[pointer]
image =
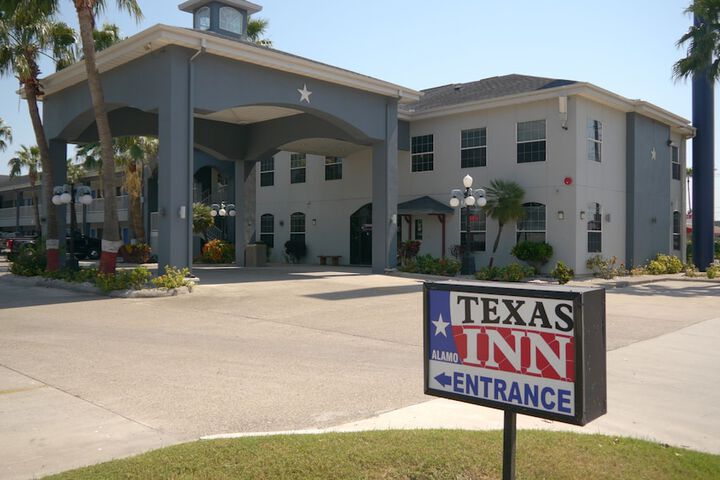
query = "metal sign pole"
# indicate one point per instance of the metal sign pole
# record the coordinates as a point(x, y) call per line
point(509, 436)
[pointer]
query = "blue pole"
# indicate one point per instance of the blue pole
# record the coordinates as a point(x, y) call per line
point(703, 101)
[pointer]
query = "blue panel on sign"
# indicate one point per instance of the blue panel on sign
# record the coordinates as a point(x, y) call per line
point(442, 344)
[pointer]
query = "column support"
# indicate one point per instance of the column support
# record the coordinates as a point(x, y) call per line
point(245, 205)
point(58, 159)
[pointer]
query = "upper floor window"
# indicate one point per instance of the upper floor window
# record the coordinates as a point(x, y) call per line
point(675, 160)
point(422, 153)
point(202, 18)
point(267, 172)
point(333, 168)
point(594, 140)
point(298, 163)
point(478, 229)
point(473, 148)
point(532, 227)
point(267, 230)
point(297, 227)
point(594, 229)
point(231, 20)
point(676, 230)
point(531, 141)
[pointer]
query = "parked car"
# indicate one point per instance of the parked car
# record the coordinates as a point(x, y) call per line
point(84, 247)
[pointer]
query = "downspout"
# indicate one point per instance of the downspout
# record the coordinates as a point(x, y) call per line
point(191, 147)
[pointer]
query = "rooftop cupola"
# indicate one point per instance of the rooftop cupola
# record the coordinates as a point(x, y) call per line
point(226, 17)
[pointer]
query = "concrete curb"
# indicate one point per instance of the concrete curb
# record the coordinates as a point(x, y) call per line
point(89, 288)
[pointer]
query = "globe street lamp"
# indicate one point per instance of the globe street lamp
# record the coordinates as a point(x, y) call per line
point(62, 195)
point(467, 198)
point(223, 210)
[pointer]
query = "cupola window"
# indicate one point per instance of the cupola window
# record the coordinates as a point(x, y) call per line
point(231, 20)
point(202, 18)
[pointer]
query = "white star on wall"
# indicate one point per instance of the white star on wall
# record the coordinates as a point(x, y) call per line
point(440, 326)
point(304, 94)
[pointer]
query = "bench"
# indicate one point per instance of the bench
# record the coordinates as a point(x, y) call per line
point(335, 259)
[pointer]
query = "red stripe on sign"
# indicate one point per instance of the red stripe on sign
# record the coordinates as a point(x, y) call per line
point(528, 352)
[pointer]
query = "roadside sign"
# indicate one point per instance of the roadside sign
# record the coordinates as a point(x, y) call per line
point(532, 349)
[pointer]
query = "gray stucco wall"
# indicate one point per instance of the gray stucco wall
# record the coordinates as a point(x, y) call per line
point(649, 210)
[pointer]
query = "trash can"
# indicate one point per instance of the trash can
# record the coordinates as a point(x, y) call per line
point(255, 255)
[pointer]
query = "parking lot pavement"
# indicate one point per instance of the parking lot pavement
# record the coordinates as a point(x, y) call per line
point(251, 350)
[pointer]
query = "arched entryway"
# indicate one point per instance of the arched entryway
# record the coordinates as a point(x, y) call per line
point(361, 236)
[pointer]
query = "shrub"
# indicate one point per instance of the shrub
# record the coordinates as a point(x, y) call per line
point(487, 273)
point(639, 270)
point(173, 278)
point(605, 267)
point(123, 279)
point(562, 273)
point(515, 272)
point(429, 265)
point(138, 253)
point(536, 254)
point(202, 219)
point(29, 261)
point(664, 264)
point(218, 251)
point(691, 270)
point(295, 250)
point(713, 271)
point(409, 250)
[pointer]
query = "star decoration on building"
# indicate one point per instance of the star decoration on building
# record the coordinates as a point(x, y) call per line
point(653, 153)
point(304, 94)
point(440, 326)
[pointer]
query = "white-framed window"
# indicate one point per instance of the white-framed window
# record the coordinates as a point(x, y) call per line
point(297, 227)
point(231, 20)
point(594, 229)
point(594, 140)
point(675, 162)
point(267, 229)
point(478, 229)
point(676, 230)
point(422, 153)
point(333, 168)
point(267, 172)
point(202, 18)
point(298, 164)
point(531, 141)
point(473, 148)
point(532, 227)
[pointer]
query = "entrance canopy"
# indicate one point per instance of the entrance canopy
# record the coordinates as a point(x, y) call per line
point(237, 101)
point(424, 206)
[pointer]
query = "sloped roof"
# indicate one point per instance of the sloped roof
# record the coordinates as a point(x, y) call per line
point(494, 87)
point(423, 206)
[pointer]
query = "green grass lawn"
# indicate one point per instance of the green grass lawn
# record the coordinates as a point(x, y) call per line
point(415, 454)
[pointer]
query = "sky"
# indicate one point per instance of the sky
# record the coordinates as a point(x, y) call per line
point(627, 47)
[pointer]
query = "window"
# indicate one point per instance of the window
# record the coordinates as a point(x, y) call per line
point(298, 162)
point(675, 159)
point(532, 227)
point(478, 228)
point(595, 229)
point(297, 227)
point(531, 141)
point(421, 153)
point(267, 230)
point(202, 18)
point(267, 172)
point(231, 20)
point(333, 168)
point(594, 140)
point(418, 229)
point(676, 230)
point(473, 148)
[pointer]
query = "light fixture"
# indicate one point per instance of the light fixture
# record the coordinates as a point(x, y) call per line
point(561, 215)
point(314, 221)
point(454, 202)
point(467, 181)
point(582, 215)
point(470, 198)
point(223, 209)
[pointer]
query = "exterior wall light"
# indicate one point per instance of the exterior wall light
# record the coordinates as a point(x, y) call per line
point(582, 215)
point(561, 215)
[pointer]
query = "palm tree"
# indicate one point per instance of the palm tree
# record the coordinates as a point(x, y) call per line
point(28, 158)
point(5, 135)
point(504, 204)
point(703, 41)
point(26, 31)
point(256, 29)
point(86, 10)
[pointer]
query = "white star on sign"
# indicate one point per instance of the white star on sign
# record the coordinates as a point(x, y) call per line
point(304, 94)
point(440, 326)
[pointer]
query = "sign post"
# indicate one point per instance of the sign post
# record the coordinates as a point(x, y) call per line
point(529, 349)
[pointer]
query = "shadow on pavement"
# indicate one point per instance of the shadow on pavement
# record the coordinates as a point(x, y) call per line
point(688, 290)
point(368, 292)
point(231, 275)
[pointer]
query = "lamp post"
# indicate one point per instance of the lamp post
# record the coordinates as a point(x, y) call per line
point(223, 210)
point(63, 195)
point(467, 198)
